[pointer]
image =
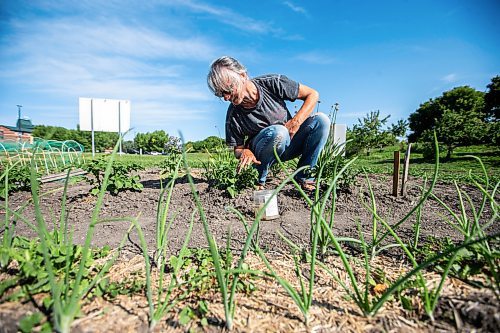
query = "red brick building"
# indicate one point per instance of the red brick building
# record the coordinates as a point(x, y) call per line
point(22, 131)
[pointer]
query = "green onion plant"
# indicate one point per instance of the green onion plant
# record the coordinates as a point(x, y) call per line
point(67, 293)
point(228, 278)
point(164, 294)
point(472, 221)
point(302, 297)
point(418, 218)
point(162, 210)
point(368, 304)
point(9, 226)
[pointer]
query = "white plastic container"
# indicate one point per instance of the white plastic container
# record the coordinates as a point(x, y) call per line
point(260, 198)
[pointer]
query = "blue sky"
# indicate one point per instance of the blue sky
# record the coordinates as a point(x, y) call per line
point(365, 55)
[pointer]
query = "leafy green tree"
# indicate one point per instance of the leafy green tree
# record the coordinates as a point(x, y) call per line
point(156, 141)
point(84, 138)
point(103, 140)
point(141, 141)
point(457, 117)
point(492, 99)
point(128, 144)
point(211, 144)
point(52, 133)
point(368, 134)
point(399, 129)
point(494, 133)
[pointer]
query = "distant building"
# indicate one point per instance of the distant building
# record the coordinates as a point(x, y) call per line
point(21, 132)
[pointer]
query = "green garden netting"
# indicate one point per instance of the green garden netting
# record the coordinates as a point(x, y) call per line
point(48, 155)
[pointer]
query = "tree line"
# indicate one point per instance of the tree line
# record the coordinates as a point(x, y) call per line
point(460, 117)
point(102, 140)
point(156, 141)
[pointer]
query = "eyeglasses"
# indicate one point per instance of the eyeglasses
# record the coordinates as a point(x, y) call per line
point(225, 91)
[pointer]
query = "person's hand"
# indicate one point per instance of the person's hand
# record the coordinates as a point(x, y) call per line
point(292, 126)
point(247, 158)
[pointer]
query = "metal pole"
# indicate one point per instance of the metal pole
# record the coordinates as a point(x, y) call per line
point(19, 128)
point(120, 125)
point(92, 125)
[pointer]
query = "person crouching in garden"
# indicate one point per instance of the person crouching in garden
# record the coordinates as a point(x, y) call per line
point(257, 119)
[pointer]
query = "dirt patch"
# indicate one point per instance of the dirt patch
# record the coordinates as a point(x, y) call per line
point(260, 312)
point(294, 220)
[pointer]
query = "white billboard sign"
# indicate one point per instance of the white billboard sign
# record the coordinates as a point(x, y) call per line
point(104, 115)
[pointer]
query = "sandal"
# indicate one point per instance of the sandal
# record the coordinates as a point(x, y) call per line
point(308, 185)
point(260, 187)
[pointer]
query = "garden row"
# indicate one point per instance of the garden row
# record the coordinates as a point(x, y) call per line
point(69, 274)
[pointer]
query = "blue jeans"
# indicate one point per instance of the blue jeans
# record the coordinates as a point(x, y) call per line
point(306, 143)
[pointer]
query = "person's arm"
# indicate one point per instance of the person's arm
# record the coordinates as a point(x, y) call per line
point(310, 98)
point(245, 156)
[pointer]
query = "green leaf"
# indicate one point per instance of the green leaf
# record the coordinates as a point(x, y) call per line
point(406, 303)
point(27, 323)
point(46, 327)
point(186, 315)
point(47, 302)
point(231, 191)
point(203, 308)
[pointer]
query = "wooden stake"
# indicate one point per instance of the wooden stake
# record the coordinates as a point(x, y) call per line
point(395, 175)
point(406, 168)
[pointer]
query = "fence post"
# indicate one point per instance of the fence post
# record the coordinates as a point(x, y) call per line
point(406, 167)
point(395, 175)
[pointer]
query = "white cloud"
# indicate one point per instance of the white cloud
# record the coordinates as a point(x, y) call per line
point(70, 37)
point(315, 57)
point(87, 50)
point(450, 78)
point(68, 52)
point(232, 18)
point(296, 8)
point(227, 16)
point(63, 60)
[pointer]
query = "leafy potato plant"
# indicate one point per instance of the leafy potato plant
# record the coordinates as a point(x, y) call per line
point(32, 273)
point(16, 179)
point(220, 172)
point(120, 178)
point(169, 165)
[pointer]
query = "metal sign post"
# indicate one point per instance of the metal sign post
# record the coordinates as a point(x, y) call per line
point(119, 126)
point(105, 115)
point(92, 125)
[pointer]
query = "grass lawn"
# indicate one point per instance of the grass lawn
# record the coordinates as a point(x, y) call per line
point(149, 161)
point(381, 162)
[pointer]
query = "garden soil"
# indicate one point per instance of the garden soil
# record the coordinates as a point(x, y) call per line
point(268, 309)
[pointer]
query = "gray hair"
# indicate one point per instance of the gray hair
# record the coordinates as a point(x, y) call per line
point(224, 74)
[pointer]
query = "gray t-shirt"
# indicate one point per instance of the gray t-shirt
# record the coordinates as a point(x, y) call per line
point(274, 90)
